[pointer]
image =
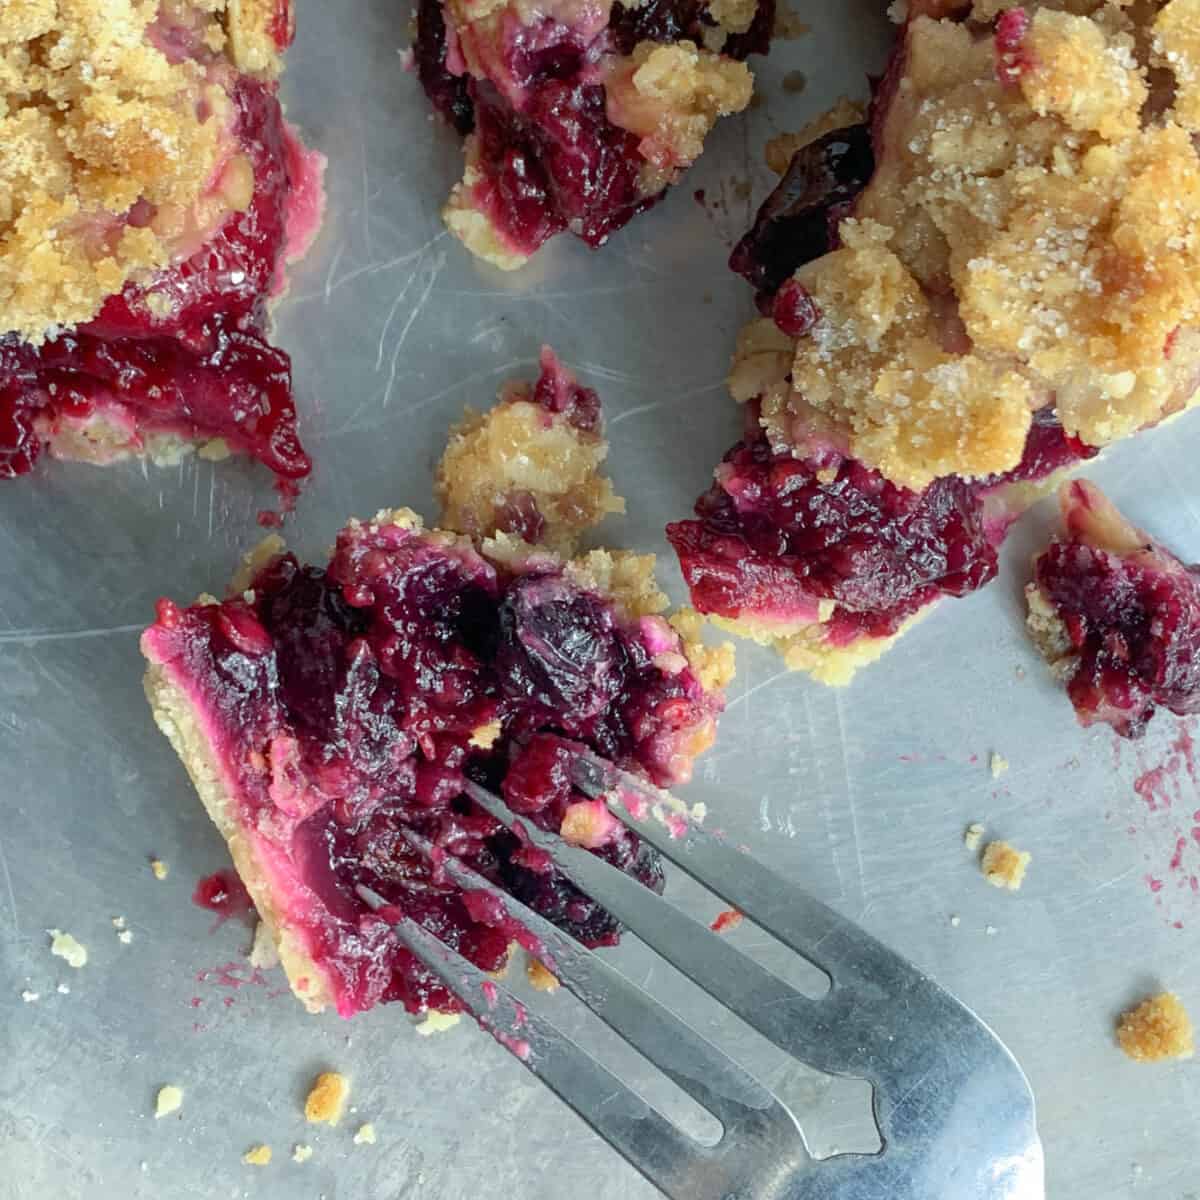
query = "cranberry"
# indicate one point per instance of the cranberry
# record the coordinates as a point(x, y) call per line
point(798, 221)
point(794, 310)
point(1012, 56)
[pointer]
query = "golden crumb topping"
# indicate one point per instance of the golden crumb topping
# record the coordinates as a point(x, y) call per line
point(524, 470)
point(114, 156)
point(1157, 1028)
point(1003, 866)
point(1031, 235)
point(327, 1098)
point(671, 96)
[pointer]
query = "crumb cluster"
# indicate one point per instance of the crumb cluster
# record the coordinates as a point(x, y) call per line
point(114, 155)
point(522, 468)
point(1003, 866)
point(1030, 236)
point(326, 1099)
point(1156, 1029)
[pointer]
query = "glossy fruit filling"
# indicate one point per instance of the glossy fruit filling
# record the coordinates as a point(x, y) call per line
point(347, 705)
point(798, 221)
point(186, 352)
point(1130, 612)
point(549, 156)
point(790, 540)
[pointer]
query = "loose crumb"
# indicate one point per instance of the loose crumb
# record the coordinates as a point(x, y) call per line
point(63, 989)
point(540, 977)
point(301, 1153)
point(437, 1022)
point(1156, 1029)
point(365, 1135)
point(168, 1100)
point(125, 936)
point(29, 996)
point(998, 764)
point(956, 921)
point(327, 1099)
point(257, 1156)
point(991, 930)
point(67, 948)
point(118, 922)
point(973, 837)
point(1003, 866)
point(159, 868)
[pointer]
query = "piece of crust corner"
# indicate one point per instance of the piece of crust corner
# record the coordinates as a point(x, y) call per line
point(176, 717)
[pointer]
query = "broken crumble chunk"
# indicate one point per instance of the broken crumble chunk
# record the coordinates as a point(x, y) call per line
point(530, 466)
point(1003, 866)
point(1157, 1029)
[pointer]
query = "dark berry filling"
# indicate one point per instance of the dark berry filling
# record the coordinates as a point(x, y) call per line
point(776, 536)
point(558, 163)
point(667, 21)
point(194, 361)
point(549, 155)
point(798, 221)
point(1133, 620)
point(349, 704)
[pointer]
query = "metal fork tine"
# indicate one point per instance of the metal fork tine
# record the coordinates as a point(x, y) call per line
point(840, 948)
point(690, 1060)
point(801, 1026)
point(667, 1157)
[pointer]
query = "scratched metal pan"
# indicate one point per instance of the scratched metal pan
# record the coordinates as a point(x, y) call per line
point(861, 794)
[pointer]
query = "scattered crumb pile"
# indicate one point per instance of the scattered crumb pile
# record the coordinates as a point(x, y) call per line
point(1157, 1028)
point(1003, 866)
point(67, 948)
point(167, 1101)
point(327, 1099)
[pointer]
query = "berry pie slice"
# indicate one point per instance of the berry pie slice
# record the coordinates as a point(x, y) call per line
point(151, 194)
point(323, 711)
point(1116, 615)
point(967, 291)
point(578, 114)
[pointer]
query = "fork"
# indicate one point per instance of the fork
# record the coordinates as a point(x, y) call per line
point(954, 1111)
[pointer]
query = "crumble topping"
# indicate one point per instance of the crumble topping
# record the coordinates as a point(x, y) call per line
point(1156, 1029)
point(327, 1099)
point(1030, 236)
point(527, 469)
point(672, 95)
point(168, 1100)
point(64, 946)
point(112, 152)
point(1003, 866)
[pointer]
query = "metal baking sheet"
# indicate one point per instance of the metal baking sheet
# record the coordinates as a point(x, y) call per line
point(862, 795)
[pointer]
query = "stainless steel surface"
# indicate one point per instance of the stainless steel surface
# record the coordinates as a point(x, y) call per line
point(860, 796)
point(953, 1109)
